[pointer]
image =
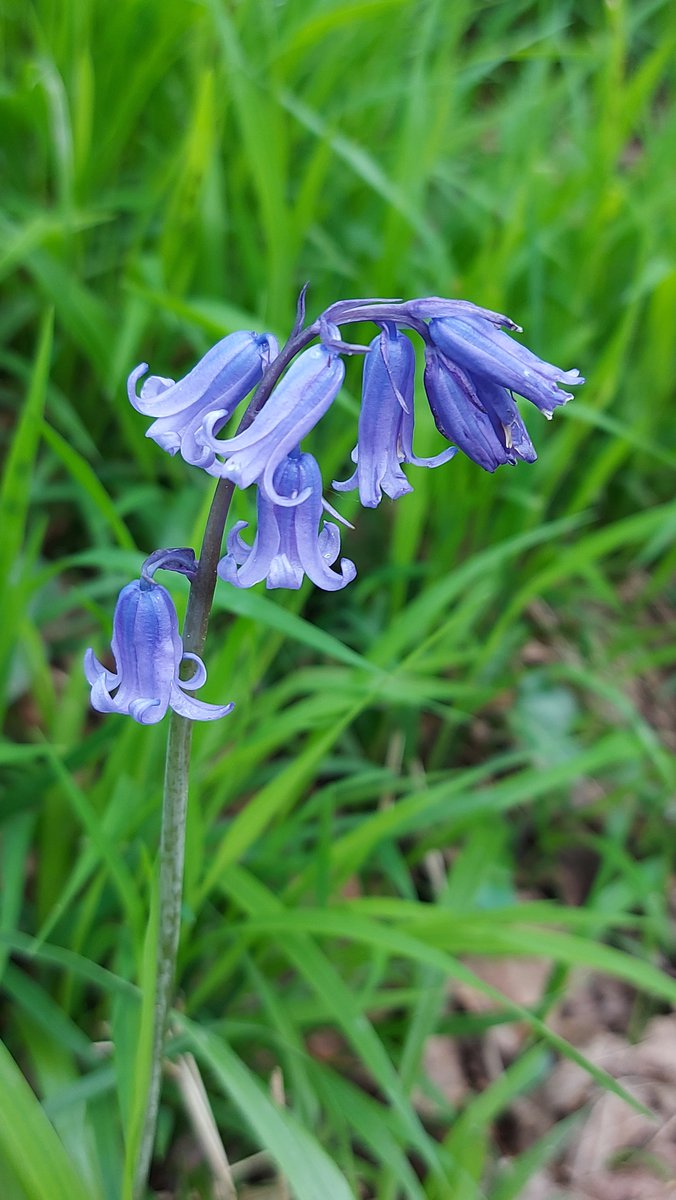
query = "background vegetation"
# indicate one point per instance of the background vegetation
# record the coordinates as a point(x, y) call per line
point(411, 763)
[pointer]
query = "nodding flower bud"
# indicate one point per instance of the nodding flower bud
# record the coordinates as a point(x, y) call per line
point(463, 412)
point(486, 353)
point(148, 653)
point(288, 544)
point(385, 432)
point(211, 391)
point(471, 370)
point(299, 400)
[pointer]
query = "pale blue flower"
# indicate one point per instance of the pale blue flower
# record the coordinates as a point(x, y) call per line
point(211, 391)
point(299, 400)
point(288, 543)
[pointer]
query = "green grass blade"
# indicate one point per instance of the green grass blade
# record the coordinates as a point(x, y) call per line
point(311, 1173)
point(28, 1142)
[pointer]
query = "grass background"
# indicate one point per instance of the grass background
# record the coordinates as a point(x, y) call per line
point(495, 683)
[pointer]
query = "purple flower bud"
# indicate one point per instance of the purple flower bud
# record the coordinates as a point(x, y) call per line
point(484, 352)
point(213, 389)
point(287, 544)
point(412, 313)
point(179, 558)
point(472, 369)
point(459, 413)
point(301, 398)
point(148, 652)
point(385, 433)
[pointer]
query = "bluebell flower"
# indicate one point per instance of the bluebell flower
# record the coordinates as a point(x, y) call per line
point(288, 543)
point(148, 653)
point(470, 413)
point(472, 369)
point(299, 400)
point(212, 390)
point(385, 431)
point(485, 352)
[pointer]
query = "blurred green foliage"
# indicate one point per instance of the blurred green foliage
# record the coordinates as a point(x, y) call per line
point(494, 685)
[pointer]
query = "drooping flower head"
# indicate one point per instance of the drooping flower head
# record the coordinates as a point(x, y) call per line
point(464, 411)
point(148, 653)
point(482, 350)
point(472, 368)
point(299, 400)
point(288, 543)
point(212, 390)
point(385, 431)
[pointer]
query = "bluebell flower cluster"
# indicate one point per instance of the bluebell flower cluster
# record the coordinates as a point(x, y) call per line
point(473, 371)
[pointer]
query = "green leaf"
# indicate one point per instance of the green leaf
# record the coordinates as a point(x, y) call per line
point(94, 496)
point(15, 489)
point(272, 615)
point(29, 1144)
point(310, 1172)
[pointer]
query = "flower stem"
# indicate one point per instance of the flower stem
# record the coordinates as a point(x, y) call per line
point(172, 853)
point(177, 766)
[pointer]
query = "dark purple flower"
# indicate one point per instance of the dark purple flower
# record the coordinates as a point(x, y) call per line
point(472, 369)
point(470, 413)
point(212, 390)
point(148, 652)
point(303, 395)
point(385, 433)
point(484, 352)
point(288, 543)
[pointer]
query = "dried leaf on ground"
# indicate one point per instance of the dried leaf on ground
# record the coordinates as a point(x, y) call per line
point(620, 1154)
point(442, 1067)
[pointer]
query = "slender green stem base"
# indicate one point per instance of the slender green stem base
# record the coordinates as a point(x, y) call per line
point(172, 854)
point(175, 801)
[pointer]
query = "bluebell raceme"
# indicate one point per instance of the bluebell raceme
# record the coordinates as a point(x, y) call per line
point(473, 371)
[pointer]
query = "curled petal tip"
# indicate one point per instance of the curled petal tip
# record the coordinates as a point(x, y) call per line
point(132, 381)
